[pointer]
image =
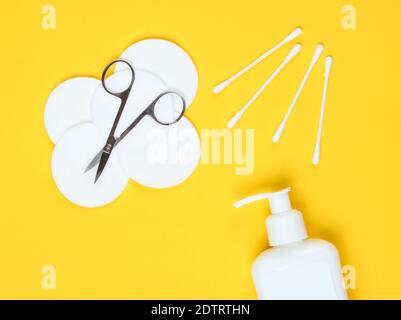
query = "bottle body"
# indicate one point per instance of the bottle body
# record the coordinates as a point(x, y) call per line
point(303, 270)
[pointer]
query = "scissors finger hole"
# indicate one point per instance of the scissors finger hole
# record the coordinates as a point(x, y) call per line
point(169, 108)
point(125, 79)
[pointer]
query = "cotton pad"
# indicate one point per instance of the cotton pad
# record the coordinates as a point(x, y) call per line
point(167, 60)
point(104, 106)
point(160, 156)
point(74, 150)
point(69, 104)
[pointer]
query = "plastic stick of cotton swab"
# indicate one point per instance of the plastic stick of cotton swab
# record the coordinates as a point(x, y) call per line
point(294, 51)
point(327, 71)
point(315, 58)
point(221, 86)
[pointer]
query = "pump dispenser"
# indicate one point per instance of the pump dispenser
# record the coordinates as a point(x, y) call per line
point(296, 268)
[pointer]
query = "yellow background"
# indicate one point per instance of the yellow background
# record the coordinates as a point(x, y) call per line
point(189, 242)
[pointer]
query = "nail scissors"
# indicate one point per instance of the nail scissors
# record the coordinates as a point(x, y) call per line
point(154, 110)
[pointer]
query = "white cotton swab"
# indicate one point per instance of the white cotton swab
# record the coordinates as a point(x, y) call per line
point(318, 51)
point(327, 71)
point(294, 51)
point(221, 86)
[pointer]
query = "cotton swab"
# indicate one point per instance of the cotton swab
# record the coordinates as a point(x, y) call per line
point(327, 71)
point(318, 51)
point(221, 86)
point(294, 51)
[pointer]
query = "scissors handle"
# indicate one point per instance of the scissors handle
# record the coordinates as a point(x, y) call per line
point(150, 111)
point(123, 95)
point(166, 122)
point(125, 92)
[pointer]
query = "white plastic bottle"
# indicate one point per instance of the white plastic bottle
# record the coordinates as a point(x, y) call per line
point(295, 268)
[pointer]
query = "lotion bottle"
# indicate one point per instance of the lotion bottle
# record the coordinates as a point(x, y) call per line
point(295, 268)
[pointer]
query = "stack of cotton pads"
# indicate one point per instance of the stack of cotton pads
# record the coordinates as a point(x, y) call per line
point(79, 114)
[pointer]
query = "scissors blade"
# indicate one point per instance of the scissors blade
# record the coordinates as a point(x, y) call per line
point(108, 148)
point(94, 161)
point(102, 164)
point(96, 158)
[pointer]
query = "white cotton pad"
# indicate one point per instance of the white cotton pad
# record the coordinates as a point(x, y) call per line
point(167, 60)
point(159, 156)
point(69, 104)
point(74, 150)
point(104, 106)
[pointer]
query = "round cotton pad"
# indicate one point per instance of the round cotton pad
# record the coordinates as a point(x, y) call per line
point(72, 153)
point(104, 106)
point(69, 104)
point(160, 156)
point(167, 60)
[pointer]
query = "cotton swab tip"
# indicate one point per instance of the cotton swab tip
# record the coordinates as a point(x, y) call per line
point(278, 133)
point(316, 156)
point(294, 51)
point(320, 48)
point(234, 120)
point(328, 65)
point(220, 87)
point(318, 52)
point(329, 61)
point(294, 34)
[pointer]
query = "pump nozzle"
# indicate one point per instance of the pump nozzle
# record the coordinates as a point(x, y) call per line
point(279, 201)
point(285, 225)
